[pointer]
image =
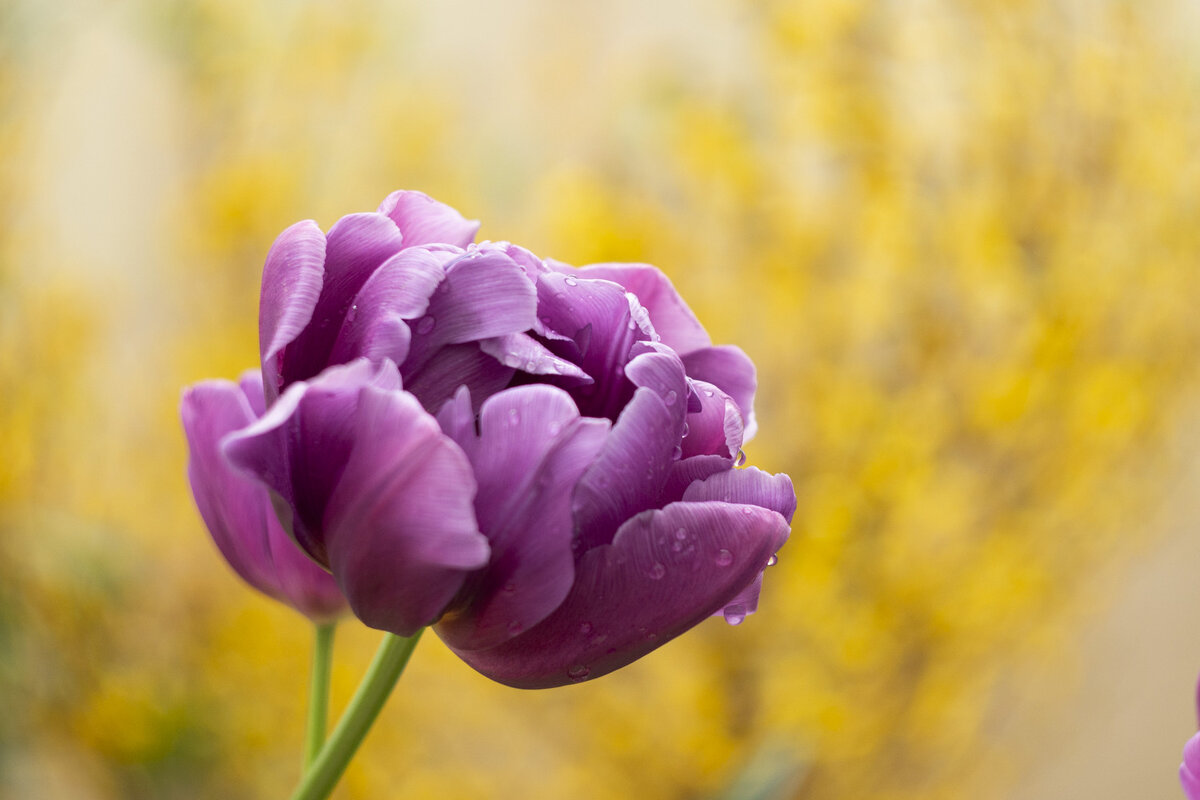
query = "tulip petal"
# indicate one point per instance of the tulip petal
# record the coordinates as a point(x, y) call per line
point(484, 294)
point(729, 368)
point(291, 284)
point(750, 486)
point(716, 429)
point(672, 318)
point(532, 448)
point(400, 527)
point(687, 470)
point(356, 246)
point(237, 509)
point(1189, 770)
point(423, 220)
point(630, 472)
point(522, 352)
point(400, 289)
point(602, 323)
point(300, 446)
point(665, 572)
point(458, 365)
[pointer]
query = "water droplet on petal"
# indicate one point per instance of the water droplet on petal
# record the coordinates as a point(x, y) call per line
point(650, 637)
point(554, 428)
point(677, 453)
point(724, 558)
point(677, 546)
point(631, 325)
point(570, 280)
point(545, 320)
point(735, 614)
point(773, 560)
point(352, 313)
point(708, 392)
point(578, 672)
point(530, 365)
point(685, 430)
point(671, 397)
point(514, 418)
point(657, 572)
point(681, 534)
point(741, 458)
point(426, 325)
point(585, 628)
point(747, 510)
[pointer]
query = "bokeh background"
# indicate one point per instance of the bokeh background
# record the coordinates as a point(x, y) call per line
point(961, 240)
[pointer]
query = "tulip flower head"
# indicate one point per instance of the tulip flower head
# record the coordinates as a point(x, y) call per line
point(542, 462)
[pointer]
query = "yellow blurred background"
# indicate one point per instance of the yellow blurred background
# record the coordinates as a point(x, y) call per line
point(960, 239)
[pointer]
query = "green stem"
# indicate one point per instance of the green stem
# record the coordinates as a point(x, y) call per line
point(318, 692)
point(364, 707)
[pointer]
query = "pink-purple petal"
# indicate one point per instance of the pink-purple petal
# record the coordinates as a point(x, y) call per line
point(400, 527)
point(665, 572)
point(484, 294)
point(672, 318)
point(374, 326)
point(532, 448)
point(237, 510)
point(423, 220)
point(291, 283)
point(356, 246)
point(716, 429)
point(524, 353)
point(456, 366)
point(1189, 770)
point(730, 369)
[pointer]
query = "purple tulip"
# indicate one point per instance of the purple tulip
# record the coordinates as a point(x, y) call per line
point(237, 509)
point(1189, 769)
point(575, 502)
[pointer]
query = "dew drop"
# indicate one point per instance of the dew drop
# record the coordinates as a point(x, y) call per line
point(724, 558)
point(681, 534)
point(554, 428)
point(708, 392)
point(650, 637)
point(747, 510)
point(514, 418)
point(773, 560)
point(585, 628)
point(741, 458)
point(570, 280)
point(578, 672)
point(352, 313)
point(426, 325)
point(631, 324)
point(671, 397)
point(677, 453)
point(685, 429)
point(657, 572)
point(735, 614)
point(677, 546)
point(545, 320)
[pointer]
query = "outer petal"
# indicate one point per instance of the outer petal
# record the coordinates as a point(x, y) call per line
point(299, 448)
point(237, 509)
point(355, 247)
point(729, 368)
point(665, 572)
point(672, 318)
point(424, 220)
point(1189, 770)
point(532, 448)
point(400, 526)
point(749, 486)
point(291, 284)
